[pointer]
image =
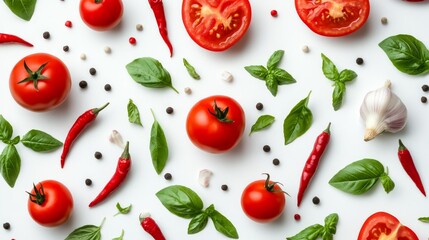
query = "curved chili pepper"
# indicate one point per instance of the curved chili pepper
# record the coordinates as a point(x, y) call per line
point(79, 125)
point(150, 226)
point(408, 164)
point(122, 169)
point(313, 161)
point(9, 38)
point(158, 10)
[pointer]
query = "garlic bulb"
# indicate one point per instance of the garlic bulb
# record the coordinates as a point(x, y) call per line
point(382, 110)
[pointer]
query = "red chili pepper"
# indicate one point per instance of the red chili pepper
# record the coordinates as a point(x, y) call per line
point(79, 125)
point(150, 226)
point(158, 10)
point(408, 164)
point(8, 38)
point(313, 161)
point(122, 169)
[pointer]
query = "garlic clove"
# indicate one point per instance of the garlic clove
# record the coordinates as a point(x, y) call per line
point(116, 138)
point(204, 177)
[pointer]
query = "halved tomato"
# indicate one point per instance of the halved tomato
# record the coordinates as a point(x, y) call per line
point(216, 25)
point(383, 226)
point(333, 18)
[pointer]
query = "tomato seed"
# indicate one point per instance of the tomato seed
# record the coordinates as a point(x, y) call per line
point(316, 200)
point(66, 48)
point(68, 24)
point(274, 13)
point(259, 106)
point(83, 84)
point(132, 40)
point(46, 35)
point(266, 148)
point(107, 87)
point(276, 161)
point(425, 88)
point(168, 176)
point(359, 61)
point(169, 110)
point(98, 155)
point(297, 217)
point(88, 182)
point(92, 71)
point(6, 226)
point(423, 99)
point(224, 187)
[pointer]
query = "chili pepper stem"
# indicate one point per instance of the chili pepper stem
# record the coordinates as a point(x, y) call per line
point(328, 129)
point(126, 152)
point(401, 146)
point(97, 110)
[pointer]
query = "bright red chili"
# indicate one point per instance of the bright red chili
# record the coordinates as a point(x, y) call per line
point(158, 10)
point(79, 125)
point(150, 226)
point(408, 164)
point(313, 161)
point(122, 169)
point(8, 38)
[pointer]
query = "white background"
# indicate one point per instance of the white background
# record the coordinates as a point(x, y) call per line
point(242, 165)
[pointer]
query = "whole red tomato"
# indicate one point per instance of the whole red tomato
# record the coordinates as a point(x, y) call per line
point(50, 203)
point(101, 15)
point(382, 225)
point(333, 18)
point(216, 25)
point(215, 124)
point(40, 82)
point(263, 200)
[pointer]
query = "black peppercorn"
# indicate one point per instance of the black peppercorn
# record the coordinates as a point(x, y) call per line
point(316, 200)
point(424, 99)
point(6, 225)
point(359, 61)
point(168, 176)
point(88, 182)
point(169, 110)
point(425, 88)
point(98, 155)
point(224, 187)
point(92, 71)
point(266, 148)
point(259, 106)
point(107, 87)
point(46, 35)
point(66, 48)
point(276, 161)
point(83, 84)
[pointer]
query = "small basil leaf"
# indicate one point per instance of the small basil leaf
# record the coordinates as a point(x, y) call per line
point(133, 113)
point(23, 9)
point(338, 95)
point(198, 223)
point(14, 141)
point(257, 71)
point(181, 201)
point(191, 70)
point(10, 164)
point(272, 84)
point(40, 141)
point(329, 69)
point(358, 177)
point(347, 75)
point(123, 210)
point(158, 146)
point(309, 233)
point(261, 123)
point(282, 77)
point(331, 222)
point(86, 232)
point(6, 129)
point(223, 225)
point(424, 219)
point(275, 59)
point(387, 182)
point(150, 73)
point(121, 237)
point(298, 121)
point(408, 54)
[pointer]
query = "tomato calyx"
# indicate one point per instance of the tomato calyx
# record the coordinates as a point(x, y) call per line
point(34, 76)
point(269, 186)
point(39, 195)
point(220, 114)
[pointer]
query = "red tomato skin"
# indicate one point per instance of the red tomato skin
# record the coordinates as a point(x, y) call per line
point(387, 225)
point(261, 205)
point(200, 31)
point(57, 207)
point(51, 92)
point(101, 16)
point(208, 133)
point(337, 28)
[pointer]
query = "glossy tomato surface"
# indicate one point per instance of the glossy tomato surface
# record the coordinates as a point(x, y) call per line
point(56, 207)
point(382, 225)
point(207, 131)
point(51, 88)
point(263, 205)
point(101, 15)
point(333, 18)
point(216, 25)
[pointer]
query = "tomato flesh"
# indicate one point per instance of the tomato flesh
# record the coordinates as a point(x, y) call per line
point(333, 17)
point(216, 25)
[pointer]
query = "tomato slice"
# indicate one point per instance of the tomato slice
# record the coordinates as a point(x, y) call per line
point(384, 226)
point(216, 25)
point(333, 18)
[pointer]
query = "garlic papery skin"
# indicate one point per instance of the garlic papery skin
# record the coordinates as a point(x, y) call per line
point(382, 111)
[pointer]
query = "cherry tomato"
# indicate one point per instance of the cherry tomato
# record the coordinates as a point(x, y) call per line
point(382, 225)
point(50, 203)
point(101, 15)
point(216, 25)
point(333, 18)
point(216, 123)
point(47, 87)
point(263, 200)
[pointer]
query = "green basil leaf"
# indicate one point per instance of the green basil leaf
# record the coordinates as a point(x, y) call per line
point(408, 54)
point(6, 129)
point(86, 232)
point(298, 121)
point(257, 71)
point(282, 77)
point(198, 223)
point(329, 69)
point(347, 75)
point(158, 146)
point(40, 141)
point(123, 210)
point(121, 237)
point(272, 84)
point(10, 164)
point(338, 95)
point(150, 73)
point(309, 233)
point(223, 225)
point(23, 8)
point(181, 201)
point(191, 70)
point(262, 122)
point(133, 113)
point(358, 177)
point(331, 222)
point(275, 59)
point(424, 219)
point(387, 182)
